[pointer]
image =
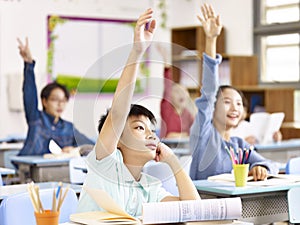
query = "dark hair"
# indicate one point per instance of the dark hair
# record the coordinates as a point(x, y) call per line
point(135, 110)
point(223, 87)
point(46, 91)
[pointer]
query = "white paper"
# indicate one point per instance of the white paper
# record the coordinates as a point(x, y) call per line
point(265, 124)
point(193, 210)
point(54, 148)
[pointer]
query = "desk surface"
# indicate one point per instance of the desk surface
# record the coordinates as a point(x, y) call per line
point(19, 188)
point(11, 146)
point(229, 189)
point(285, 144)
point(38, 160)
point(6, 171)
point(183, 140)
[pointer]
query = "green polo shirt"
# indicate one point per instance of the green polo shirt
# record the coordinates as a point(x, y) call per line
point(111, 175)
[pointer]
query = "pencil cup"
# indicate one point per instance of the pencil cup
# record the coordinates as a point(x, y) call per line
point(240, 174)
point(47, 218)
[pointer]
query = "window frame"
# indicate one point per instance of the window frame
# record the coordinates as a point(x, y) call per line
point(262, 30)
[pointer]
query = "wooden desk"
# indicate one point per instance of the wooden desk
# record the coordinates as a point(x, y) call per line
point(7, 149)
point(281, 151)
point(261, 205)
point(43, 170)
point(19, 188)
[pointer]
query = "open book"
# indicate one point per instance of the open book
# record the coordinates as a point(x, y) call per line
point(192, 210)
point(221, 210)
point(114, 213)
point(263, 125)
point(272, 179)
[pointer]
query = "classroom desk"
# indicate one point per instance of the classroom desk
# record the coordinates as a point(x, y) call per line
point(6, 171)
point(43, 170)
point(7, 149)
point(19, 188)
point(281, 151)
point(176, 142)
point(261, 205)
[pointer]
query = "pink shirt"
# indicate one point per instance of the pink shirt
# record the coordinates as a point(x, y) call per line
point(171, 120)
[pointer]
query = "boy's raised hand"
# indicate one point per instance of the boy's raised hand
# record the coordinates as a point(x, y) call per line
point(144, 30)
point(25, 51)
point(210, 22)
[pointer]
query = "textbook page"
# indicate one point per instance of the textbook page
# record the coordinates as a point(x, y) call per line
point(192, 210)
point(114, 213)
point(265, 124)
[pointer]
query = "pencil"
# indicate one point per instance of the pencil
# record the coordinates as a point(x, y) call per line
point(63, 198)
point(54, 201)
point(37, 191)
point(34, 204)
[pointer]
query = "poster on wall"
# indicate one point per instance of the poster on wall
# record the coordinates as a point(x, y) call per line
point(87, 55)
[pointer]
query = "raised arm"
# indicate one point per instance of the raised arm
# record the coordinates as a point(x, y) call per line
point(114, 124)
point(30, 96)
point(25, 51)
point(186, 188)
point(212, 27)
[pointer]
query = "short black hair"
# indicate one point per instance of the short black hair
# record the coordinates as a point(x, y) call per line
point(135, 110)
point(46, 91)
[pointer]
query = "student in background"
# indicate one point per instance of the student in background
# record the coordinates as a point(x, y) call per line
point(219, 110)
point(127, 141)
point(245, 131)
point(46, 124)
point(177, 118)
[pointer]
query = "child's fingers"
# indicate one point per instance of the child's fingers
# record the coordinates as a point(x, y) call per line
point(145, 17)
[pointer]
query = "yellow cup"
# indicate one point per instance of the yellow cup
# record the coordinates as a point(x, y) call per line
point(47, 218)
point(240, 174)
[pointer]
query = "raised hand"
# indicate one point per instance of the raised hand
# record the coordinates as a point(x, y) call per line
point(211, 23)
point(25, 51)
point(144, 30)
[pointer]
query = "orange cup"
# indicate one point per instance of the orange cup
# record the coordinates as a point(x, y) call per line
point(47, 218)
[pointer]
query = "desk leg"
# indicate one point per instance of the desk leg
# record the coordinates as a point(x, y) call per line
point(24, 173)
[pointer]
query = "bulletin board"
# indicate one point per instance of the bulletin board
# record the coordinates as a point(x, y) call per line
point(87, 55)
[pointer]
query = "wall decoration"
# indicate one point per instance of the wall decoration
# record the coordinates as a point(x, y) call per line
point(88, 54)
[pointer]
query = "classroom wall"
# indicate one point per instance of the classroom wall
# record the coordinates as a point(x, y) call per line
point(21, 18)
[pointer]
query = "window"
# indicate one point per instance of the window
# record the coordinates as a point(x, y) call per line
point(277, 41)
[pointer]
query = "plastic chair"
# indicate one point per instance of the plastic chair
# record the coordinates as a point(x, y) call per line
point(17, 209)
point(293, 166)
point(294, 205)
point(163, 172)
point(77, 176)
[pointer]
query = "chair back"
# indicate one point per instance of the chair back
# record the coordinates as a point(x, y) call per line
point(293, 166)
point(17, 209)
point(163, 172)
point(77, 176)
point(294, 205)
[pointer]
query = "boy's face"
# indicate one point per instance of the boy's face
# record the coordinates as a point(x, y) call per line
point(56, 103)
point(139, 138)
point(229, 109)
